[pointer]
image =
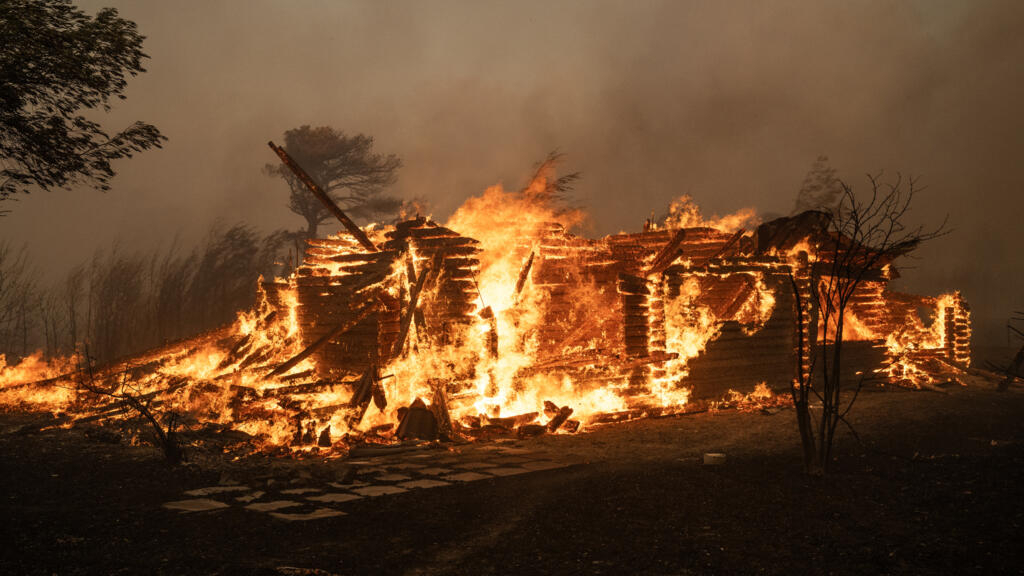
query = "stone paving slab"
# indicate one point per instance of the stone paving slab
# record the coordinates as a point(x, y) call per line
point(300, 491)
point(516, 451)
point(406, 466)
point(435, 471)
point(473, 465)
point(539, 465)
point(348, 486)
point(510, 471)
point(379, 490)
point(510, 460)
point(211, 490)
point(334, 497)
point(377, 476)
point(425, 483)
point(314, 515)
point(373, 470)
point(467, 477)
point(195, 505)
point(271, 506)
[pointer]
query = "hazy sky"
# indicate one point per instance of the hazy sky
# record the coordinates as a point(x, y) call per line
point(728, 101)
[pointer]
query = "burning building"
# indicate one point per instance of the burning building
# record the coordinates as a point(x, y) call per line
point(502, 320)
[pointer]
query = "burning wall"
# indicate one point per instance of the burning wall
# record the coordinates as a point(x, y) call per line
point(503, 319)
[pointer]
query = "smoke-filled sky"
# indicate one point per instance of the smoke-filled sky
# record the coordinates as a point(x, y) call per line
point(730, 102)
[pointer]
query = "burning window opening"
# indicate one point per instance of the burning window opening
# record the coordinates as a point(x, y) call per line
point(502, 321)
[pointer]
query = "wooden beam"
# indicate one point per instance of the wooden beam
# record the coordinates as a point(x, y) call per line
point(524, 274)
point(414, 296)
point(559, 419)
point(735, 238)
point(324, 198)
point(668, 254)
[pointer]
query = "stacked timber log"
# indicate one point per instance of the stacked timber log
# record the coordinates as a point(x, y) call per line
point(957, 331)
point(748, 349)
point(560, 272)
point(643, 312)
point(869, 307)
point(275, 291)
point(337, 278)
point(641, 261)
point(805, 311)
point(656, 335)
point(635, 319)
point(696, 250)
point(451, 297)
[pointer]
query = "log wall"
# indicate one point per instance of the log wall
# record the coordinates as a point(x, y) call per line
point(743, 356)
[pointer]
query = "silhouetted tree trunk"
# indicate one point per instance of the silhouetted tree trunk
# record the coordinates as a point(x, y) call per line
point(864, 236)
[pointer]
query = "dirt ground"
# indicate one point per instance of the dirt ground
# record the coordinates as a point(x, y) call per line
point(935, 488)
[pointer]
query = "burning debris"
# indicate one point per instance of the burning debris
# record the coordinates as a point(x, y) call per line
point(504, 322)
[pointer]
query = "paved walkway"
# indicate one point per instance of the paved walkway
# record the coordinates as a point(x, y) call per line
point(376, 477)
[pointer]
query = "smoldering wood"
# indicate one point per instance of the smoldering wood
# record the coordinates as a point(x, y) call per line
point(563, 414)
point(511, 422)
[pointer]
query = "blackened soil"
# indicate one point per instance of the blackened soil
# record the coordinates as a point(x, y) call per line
point(935, 488)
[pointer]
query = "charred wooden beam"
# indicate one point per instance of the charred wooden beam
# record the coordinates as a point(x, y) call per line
point(530, 430)
point(524, 274)
point(414, 296)
point(728, 245)
point(513, 421)
point(239, 350)
point(563, 414)
point(308, 388)
point(418, 317)
point(297, 375)
point(322, 196)
point(668, 254)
